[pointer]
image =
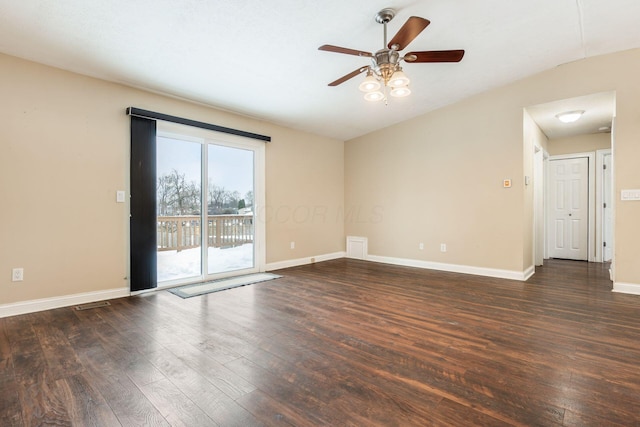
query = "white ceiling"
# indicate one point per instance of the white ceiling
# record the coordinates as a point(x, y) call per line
point(260, 57)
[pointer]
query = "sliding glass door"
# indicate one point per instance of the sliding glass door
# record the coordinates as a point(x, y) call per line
point(196, 243)
point(230, 209)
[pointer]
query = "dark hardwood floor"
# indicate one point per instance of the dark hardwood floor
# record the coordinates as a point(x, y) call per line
point(339, 343)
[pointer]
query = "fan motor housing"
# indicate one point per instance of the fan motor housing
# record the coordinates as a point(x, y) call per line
point(385, 62)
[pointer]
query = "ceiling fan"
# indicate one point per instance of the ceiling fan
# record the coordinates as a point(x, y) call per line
point(385, 70)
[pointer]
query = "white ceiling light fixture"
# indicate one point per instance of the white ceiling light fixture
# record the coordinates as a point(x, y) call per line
point(385, 74)
point(570, 116)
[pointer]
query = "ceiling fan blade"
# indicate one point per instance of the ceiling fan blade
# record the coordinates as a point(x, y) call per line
point(338, 49)
point(408, 32)
point(349, 76)
point(435, 56)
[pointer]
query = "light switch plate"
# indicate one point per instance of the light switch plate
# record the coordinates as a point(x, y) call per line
point(120, 196)
point(630, 194)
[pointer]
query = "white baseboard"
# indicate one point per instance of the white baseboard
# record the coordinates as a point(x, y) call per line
point(626, 288)
point(455, 268)
point(303, 261)
point(528, 273)
point(24, 307)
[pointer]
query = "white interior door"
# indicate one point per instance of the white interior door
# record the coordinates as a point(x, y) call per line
point(568, 212)
point(607, 221)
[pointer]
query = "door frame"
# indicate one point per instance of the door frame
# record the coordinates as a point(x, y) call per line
point(591, 179)
point(600, 154)
point(540, 158)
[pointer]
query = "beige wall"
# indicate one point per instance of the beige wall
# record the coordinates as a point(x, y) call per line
point(437, 178)
point(305, 196)
point(64, 151)
point(579, 144)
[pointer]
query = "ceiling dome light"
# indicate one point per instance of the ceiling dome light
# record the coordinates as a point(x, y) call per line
point(570, 116)
point(370, 83)
point(400, 92)
point(374, 96)
point(398, 79)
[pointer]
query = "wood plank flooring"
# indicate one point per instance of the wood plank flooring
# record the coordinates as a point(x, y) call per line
point(338, 343)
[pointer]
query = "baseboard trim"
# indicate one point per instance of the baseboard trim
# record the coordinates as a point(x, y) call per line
point(455, 268)
point(528, 273)
point(32, 306)
point(626, 288)
point(303, 261)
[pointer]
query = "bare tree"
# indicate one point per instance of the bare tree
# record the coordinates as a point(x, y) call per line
point(176, 196)
point(232, 199)
point(162, 195)
point(193, 198)
point(217, 195)
point(248, 198)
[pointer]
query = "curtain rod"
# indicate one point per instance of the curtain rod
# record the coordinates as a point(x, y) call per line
point(145, 114)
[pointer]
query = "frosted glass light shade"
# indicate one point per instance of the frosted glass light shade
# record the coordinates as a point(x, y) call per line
point(398, 79)
point(400, 92)
point(369, 84)
point(374, 96)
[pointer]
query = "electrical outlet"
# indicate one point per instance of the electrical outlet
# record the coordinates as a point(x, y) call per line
point(17, 275)
point(421, 246)
point(293, 245)
point(443, 247)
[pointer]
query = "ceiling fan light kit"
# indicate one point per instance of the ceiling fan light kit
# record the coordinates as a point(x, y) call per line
point(385, 71)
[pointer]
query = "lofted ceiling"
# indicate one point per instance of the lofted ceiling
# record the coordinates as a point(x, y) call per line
point(260, 58)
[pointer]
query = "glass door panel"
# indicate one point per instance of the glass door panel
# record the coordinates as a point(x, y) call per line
point(178, 208)
point(230, 219)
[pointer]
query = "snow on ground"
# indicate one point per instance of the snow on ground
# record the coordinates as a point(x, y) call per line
point(174, 265)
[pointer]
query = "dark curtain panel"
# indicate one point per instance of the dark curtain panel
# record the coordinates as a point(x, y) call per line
point(144, 274)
